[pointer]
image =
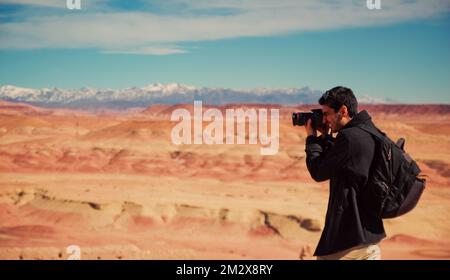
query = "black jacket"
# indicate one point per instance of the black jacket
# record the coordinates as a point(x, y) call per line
point(345, 161)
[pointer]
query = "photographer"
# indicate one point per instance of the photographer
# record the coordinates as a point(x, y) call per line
point(345, 161)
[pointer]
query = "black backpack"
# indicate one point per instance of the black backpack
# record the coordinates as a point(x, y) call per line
point(394, 186)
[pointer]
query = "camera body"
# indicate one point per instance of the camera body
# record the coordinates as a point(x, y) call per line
point(301, 118)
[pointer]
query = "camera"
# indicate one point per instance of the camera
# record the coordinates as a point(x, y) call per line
point(301, 118)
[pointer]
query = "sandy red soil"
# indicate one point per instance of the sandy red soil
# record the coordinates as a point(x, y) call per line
point(113, 184)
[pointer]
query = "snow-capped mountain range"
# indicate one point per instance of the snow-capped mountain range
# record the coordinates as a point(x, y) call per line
point(91, 98)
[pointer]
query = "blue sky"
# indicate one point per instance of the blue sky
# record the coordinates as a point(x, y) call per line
point(399, 52)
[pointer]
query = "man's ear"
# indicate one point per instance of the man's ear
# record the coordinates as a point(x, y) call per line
point(344, 111)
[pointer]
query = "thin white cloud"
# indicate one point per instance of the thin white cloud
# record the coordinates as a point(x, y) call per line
point(145, 32)
point(45, 3)
point(148, 51)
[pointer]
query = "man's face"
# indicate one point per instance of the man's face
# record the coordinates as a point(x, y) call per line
point(331, 118)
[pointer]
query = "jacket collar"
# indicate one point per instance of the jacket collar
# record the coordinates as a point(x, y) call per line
point(362, 118)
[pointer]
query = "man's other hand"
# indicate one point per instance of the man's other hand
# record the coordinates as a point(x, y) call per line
point(309, 129)
point(324, 130)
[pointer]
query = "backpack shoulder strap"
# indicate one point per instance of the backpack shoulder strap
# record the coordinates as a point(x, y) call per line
point(378, 134)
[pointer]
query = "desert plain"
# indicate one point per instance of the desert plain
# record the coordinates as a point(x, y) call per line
point(113, 184)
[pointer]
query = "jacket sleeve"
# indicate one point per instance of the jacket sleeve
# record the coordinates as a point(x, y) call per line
point(324, 160)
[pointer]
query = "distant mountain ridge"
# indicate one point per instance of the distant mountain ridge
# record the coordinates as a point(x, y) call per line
point(158, 93)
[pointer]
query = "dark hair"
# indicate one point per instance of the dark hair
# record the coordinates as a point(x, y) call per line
point(338, 96)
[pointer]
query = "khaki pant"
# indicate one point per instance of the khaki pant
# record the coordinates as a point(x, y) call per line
point(361, 252)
